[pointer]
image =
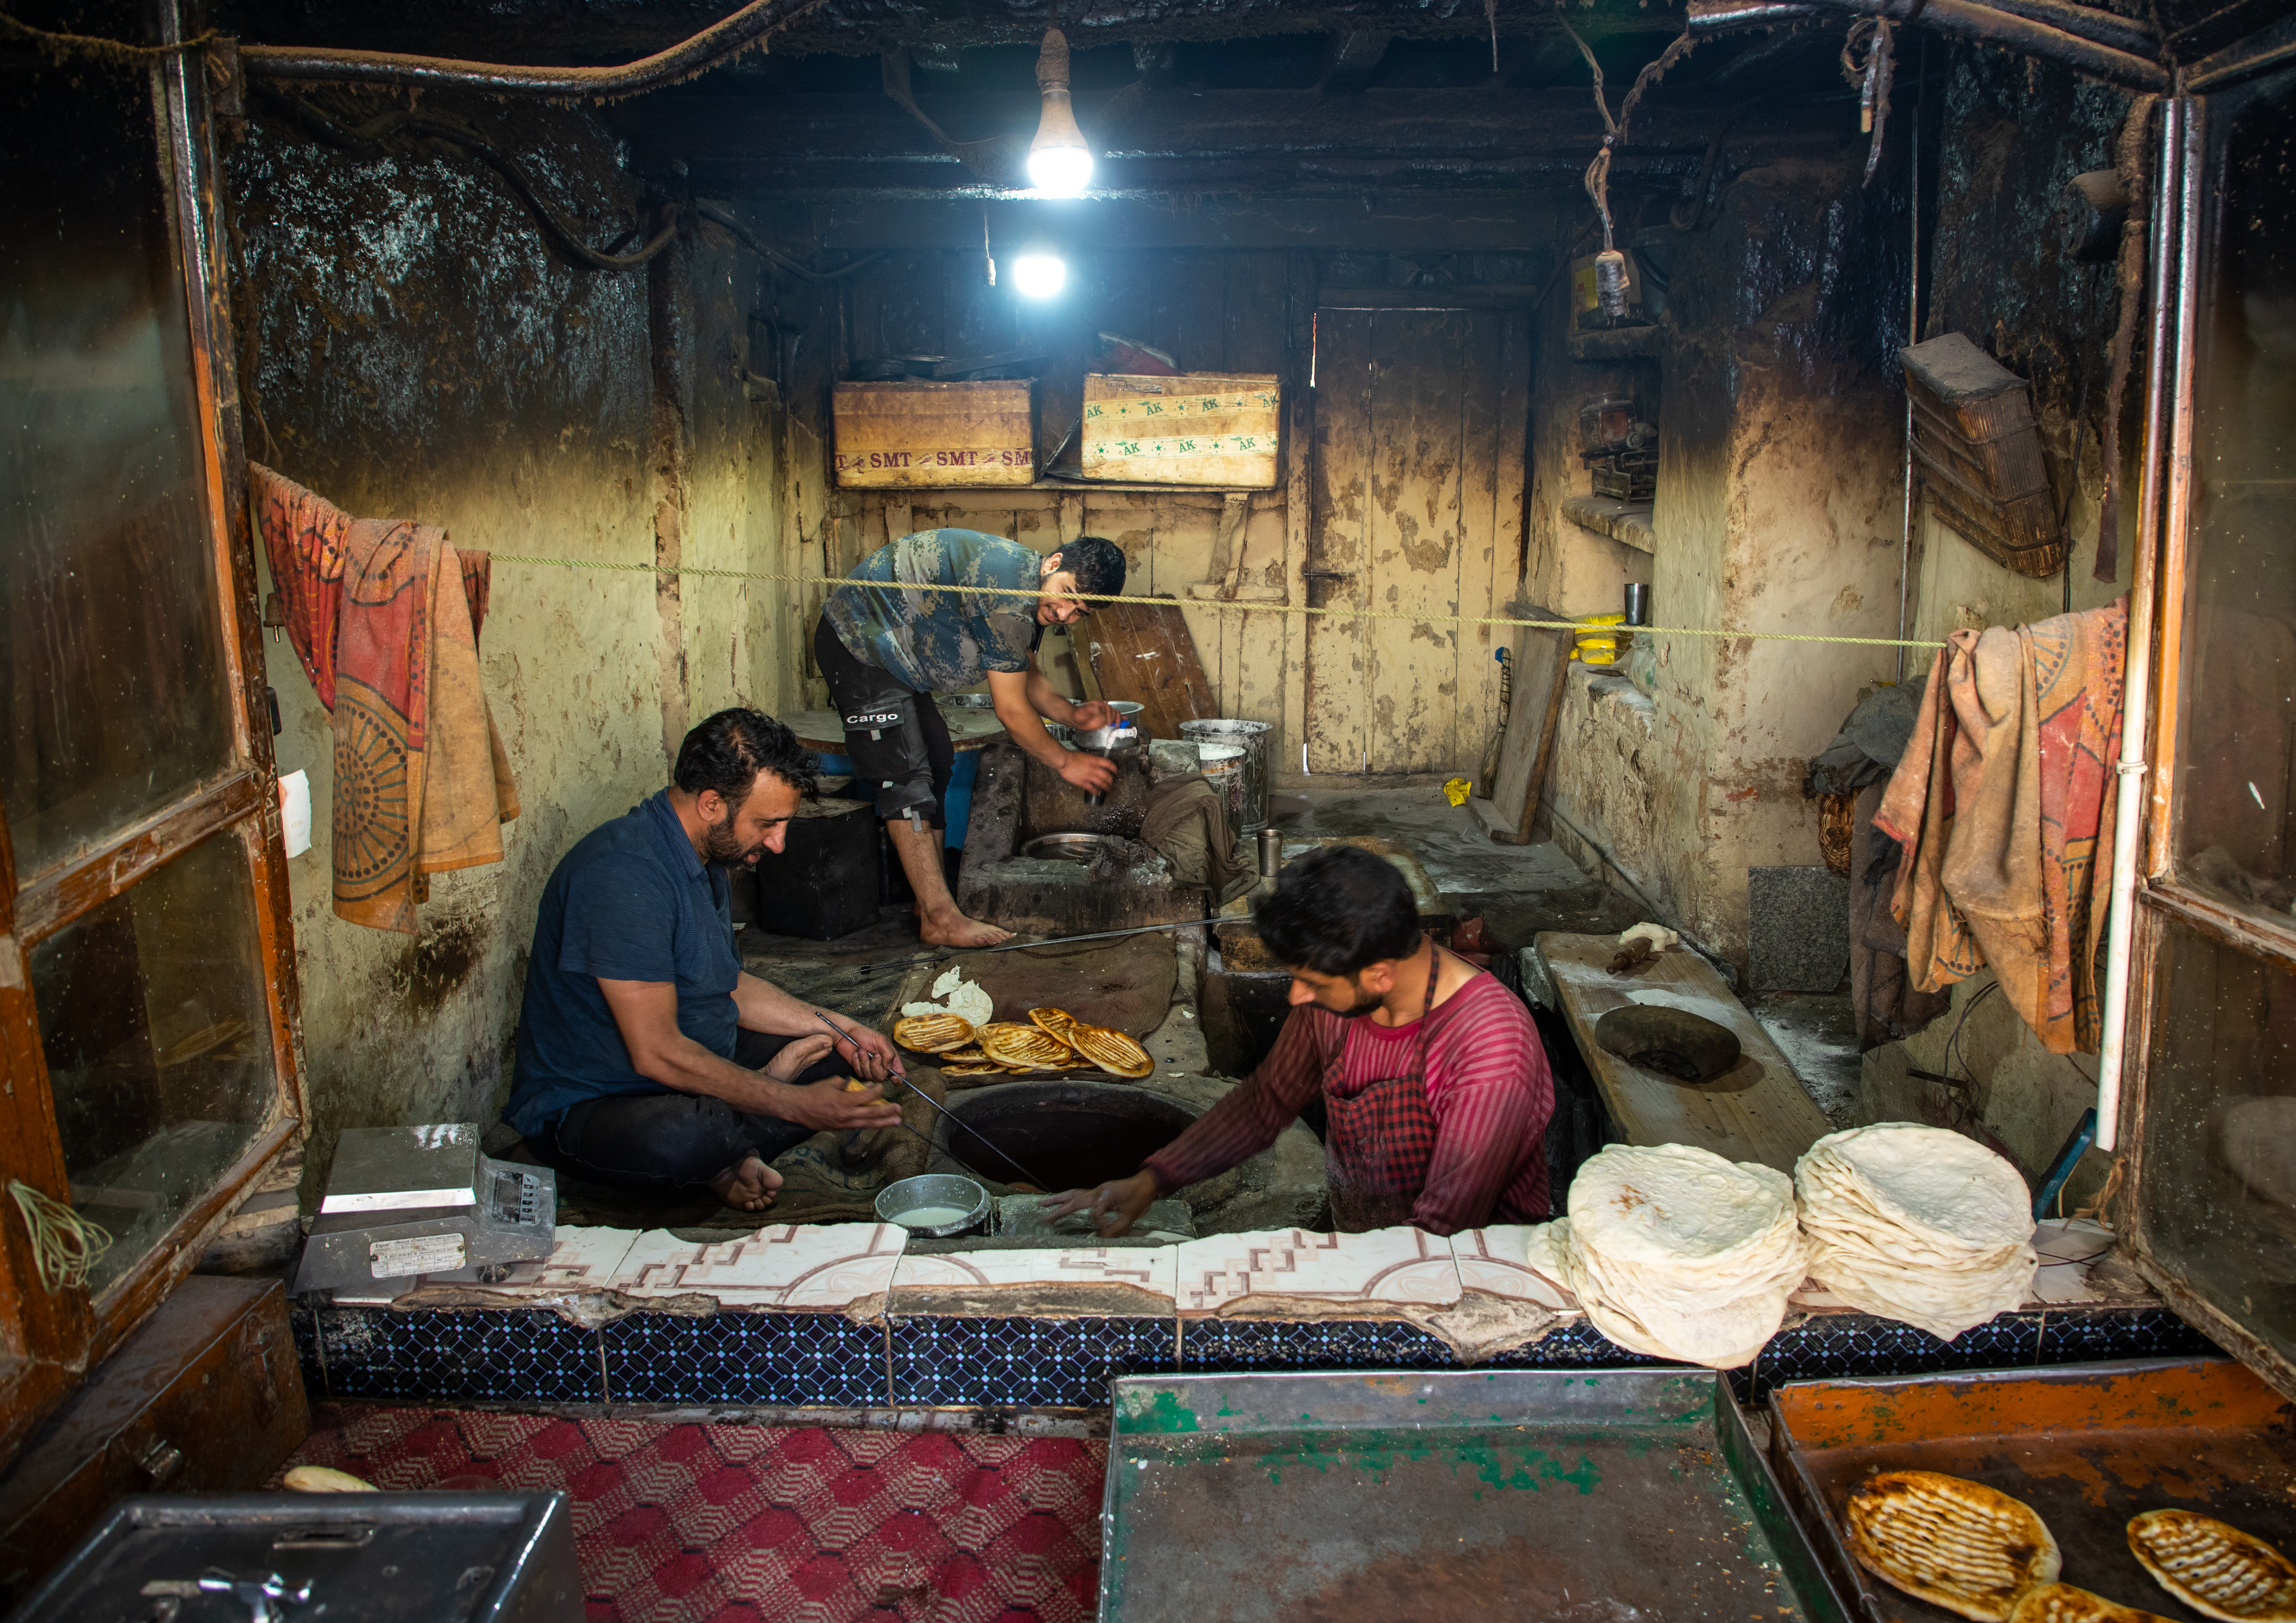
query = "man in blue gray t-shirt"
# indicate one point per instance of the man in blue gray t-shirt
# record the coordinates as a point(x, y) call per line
point(647, 1057)
point(886, 650)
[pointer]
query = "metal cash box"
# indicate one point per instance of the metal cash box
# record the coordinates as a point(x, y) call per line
point(402, 1202)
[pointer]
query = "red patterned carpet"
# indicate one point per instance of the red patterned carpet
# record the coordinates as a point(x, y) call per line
point(763, 1524)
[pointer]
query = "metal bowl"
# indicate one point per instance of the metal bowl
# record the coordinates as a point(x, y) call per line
point(935, 1189)
point(1066, 847)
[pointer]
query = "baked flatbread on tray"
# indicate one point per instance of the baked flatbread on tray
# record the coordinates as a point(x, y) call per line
point(1113, 1052)
point(1953, 1543)
point(2214, 1568)
point(974, 1068)
point(2063, 1603)
point(931, 1033)
point(1025, 1048)
point(1060, 1023)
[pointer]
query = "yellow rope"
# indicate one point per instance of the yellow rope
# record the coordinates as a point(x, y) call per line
point(65, 1245)
point(1219, 605)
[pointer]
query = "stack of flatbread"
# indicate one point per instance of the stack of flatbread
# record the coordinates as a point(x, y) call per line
point(1674, 1252)
point(1916, 1224)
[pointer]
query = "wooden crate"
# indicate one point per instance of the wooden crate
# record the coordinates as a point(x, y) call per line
point(1199, 428)
point(935, 434)
point(1979, 454)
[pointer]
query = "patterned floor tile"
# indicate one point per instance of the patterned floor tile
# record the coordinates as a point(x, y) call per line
point(744, 1524)
point(1383, 1266)
point(778, 1358)
point(1025, 1363)
point(499, 1356)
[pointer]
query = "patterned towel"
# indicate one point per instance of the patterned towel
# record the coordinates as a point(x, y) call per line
point(2003, 802)
point(421, 783)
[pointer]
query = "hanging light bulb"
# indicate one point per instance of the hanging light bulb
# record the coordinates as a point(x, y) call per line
point(1060, 163)
point(1039, 275)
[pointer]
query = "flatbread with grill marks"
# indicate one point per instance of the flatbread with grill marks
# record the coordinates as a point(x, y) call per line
point(1953, 1543)
point(932, 1033)
point(2214, 1568)
point(2063, 1603)
point(1113, 1052)
point(1060, 1023)
point(1025, 1048)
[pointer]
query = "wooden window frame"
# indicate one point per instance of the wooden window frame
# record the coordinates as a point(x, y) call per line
point(2165, 901)
point(46, 1342)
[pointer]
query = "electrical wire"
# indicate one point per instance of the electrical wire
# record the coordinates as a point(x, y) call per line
point(782, 261)
point(65, 1245)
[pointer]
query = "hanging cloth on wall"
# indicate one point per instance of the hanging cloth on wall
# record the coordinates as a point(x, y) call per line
point(2002, 803)
point(422, 782)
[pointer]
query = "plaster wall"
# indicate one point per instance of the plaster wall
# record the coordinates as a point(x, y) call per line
point(411, 349)
point(1778, 510)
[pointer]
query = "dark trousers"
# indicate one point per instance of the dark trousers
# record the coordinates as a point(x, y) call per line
point(657, 1142)
point(907, 765)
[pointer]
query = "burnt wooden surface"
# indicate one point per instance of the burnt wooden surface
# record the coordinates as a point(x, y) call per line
point(205, 1396)
point(1143, 652)
point(1978, 453)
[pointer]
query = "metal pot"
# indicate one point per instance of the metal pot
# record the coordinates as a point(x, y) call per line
point(935, 1189)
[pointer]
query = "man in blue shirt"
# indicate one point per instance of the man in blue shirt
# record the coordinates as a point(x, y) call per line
point(886, 650)
point(647, 1057)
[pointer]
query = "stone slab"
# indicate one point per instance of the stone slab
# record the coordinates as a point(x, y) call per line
point(1798, 939)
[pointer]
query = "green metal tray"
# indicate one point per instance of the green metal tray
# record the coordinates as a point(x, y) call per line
point(1565, 1495)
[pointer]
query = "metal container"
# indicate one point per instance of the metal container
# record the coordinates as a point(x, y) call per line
point(1256, 737)
point(1066, 847)
point(1637, 603)
point(1271, 853)
point(935, 1189)
point(1540, 1494)
point(1223, 767)
point(2088, 1445)
point(351, 1558)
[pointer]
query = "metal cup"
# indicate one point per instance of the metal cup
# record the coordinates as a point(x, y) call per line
point(1637, 603)
point(1271, 853)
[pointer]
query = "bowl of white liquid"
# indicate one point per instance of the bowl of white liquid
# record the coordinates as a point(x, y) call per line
point(935, 1206)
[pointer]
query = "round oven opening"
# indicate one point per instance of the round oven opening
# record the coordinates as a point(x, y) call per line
point(1073, 1135)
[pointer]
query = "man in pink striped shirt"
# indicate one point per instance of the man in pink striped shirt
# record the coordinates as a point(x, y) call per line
point(1434, 1082)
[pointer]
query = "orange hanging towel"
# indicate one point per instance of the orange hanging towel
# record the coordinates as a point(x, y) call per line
point(421, 783)
point(2003, 802)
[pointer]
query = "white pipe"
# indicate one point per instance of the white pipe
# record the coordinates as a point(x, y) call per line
point(2175, 198)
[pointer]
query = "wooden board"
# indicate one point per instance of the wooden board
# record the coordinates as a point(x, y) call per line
point(1198, 429)
point(1143, 653)
point(937, 434)
point(1755, 1112)
point(1542, 660)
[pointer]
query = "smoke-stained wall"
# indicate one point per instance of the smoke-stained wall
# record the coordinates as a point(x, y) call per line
point(1778, 510)
point(411, 347)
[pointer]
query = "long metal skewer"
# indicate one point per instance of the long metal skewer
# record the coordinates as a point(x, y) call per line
point(954, 1120)
point(1014, 946)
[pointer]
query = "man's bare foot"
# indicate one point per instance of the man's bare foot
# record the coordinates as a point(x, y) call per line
point(748, 1188)
point(953, 928)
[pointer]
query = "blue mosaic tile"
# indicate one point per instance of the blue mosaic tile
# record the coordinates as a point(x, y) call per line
point(1023, 1363)
point(1217, 1345)
point(1575, 1344)
point(501, 1356)
point(795, 1359)
point(2096, 1335)
point(1832, 1346)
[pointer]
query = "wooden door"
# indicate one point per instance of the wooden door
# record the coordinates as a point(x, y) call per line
point(1415, 483)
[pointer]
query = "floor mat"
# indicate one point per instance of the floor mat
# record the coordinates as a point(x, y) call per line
point(742, 1524)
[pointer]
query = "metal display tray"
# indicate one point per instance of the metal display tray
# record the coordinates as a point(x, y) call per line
point(2086, 1446)
point(1563, 1495)
point(321, 1558)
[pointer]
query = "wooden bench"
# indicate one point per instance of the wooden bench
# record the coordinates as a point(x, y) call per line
point(1755, 1112)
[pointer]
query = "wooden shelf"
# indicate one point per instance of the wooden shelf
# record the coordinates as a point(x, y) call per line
point(1061, 488)
point(1628, 522)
